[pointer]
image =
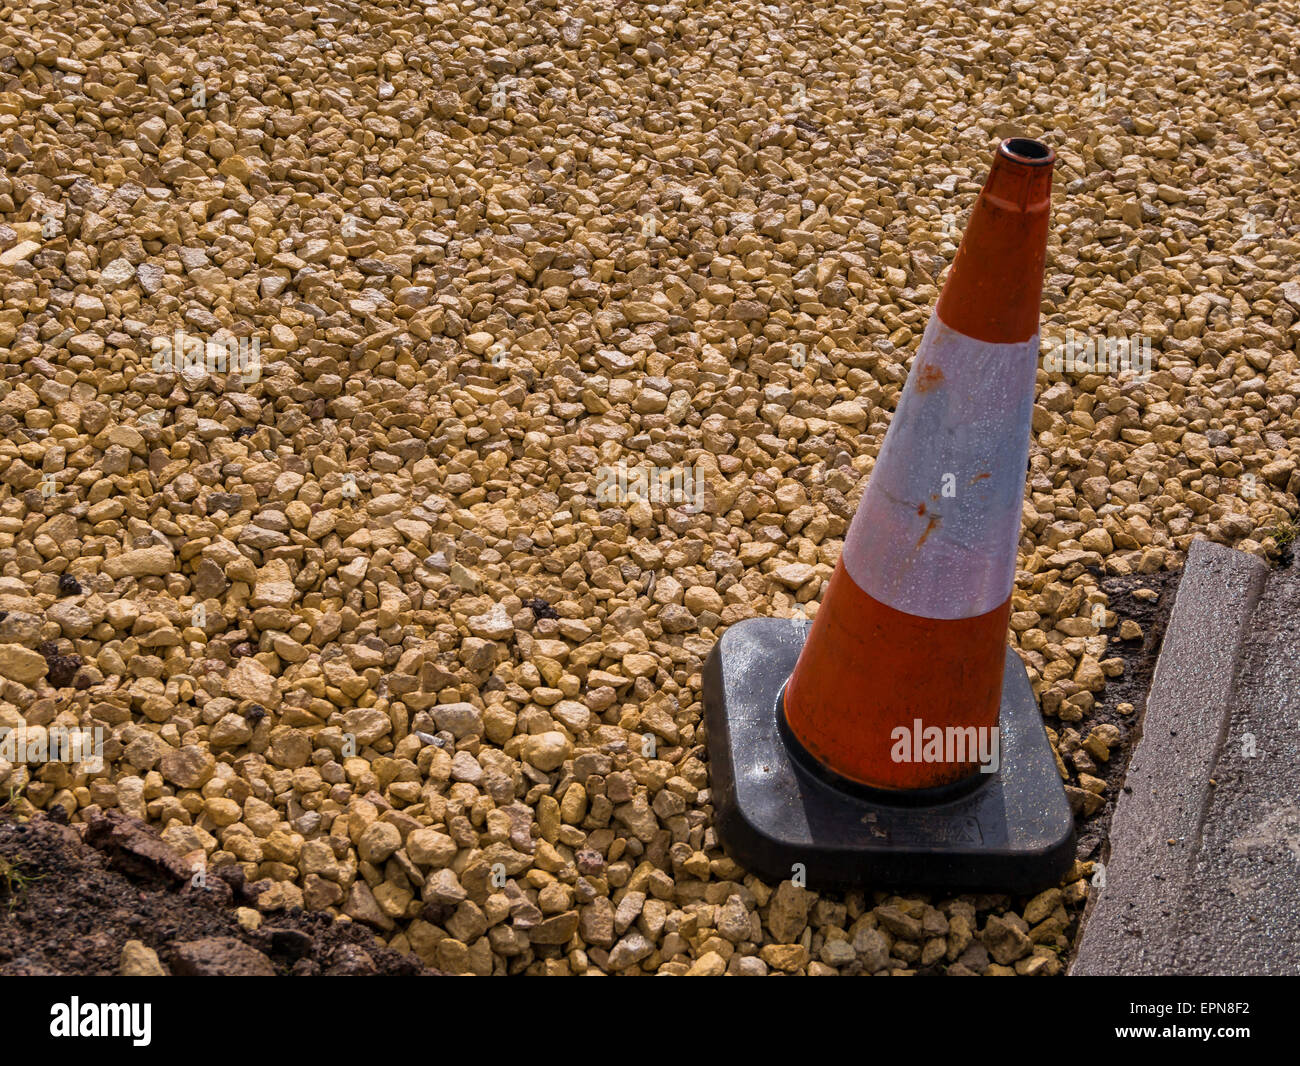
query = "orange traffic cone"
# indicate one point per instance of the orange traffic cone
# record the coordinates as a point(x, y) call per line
point(905, 696)
point(913, 625)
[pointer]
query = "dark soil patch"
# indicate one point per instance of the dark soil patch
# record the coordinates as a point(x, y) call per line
point(1139, 657)
point(71, 897)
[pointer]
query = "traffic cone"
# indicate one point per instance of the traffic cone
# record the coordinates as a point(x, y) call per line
point(914, 621)
point(906, 744)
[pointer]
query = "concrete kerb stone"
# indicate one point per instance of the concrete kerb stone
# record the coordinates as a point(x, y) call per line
point(1156, 828)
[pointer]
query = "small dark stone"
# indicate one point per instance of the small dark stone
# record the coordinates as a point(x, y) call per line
point(61, 668)
point(437, 913)
point(219, 957)
point(541, 609)
point(69, 585)
point(230, 502)
point(351, 961)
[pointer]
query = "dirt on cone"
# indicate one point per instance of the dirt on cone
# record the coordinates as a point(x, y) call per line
point(397, 401)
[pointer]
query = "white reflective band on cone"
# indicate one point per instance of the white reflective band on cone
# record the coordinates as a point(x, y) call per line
point(962, 427)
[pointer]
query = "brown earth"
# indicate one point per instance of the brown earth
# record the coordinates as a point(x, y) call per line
point(1130, 688)
point(71, 898)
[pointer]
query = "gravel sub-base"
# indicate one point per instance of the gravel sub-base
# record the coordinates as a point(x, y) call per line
point(357, 614)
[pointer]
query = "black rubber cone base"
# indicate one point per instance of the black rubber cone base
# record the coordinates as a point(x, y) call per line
point(1013, 832)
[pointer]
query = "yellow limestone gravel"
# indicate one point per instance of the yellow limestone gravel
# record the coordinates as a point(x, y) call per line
point(397, 401)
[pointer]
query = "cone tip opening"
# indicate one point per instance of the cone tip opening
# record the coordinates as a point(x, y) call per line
point(1027, 152)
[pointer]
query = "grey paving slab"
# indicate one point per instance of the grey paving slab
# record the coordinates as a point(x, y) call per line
point(1241, 911)
point(1135, 924)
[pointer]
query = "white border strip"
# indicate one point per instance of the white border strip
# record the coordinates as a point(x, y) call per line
point(938, 527)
